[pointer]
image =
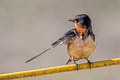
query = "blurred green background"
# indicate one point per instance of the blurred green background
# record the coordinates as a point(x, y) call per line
point(29, 26)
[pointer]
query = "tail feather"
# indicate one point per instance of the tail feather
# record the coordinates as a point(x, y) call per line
point(38, 55)
point(66, 38)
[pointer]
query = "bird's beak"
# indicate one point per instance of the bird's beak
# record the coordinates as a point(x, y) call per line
point(73, 20)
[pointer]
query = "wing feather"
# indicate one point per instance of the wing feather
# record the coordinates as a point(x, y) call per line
point(68, 36)
point(63, 40)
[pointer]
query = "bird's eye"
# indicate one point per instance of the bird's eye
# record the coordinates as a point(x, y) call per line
point(77, 20)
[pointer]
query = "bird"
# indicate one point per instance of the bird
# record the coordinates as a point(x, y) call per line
point(80, 40)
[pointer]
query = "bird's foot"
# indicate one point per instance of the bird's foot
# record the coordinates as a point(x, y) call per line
point(89, 63)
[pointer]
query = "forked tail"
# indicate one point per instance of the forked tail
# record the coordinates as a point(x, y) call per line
point(39, 54)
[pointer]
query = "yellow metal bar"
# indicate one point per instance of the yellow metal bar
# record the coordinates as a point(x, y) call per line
point(53, 70)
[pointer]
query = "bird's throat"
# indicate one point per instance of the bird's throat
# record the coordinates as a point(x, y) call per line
point(80, 29)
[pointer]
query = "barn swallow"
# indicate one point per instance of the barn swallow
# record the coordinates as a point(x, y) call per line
point(80, 41)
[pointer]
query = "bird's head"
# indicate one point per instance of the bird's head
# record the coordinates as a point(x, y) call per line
point(82, 22)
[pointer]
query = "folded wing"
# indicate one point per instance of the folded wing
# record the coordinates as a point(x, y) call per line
point(68, 36)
